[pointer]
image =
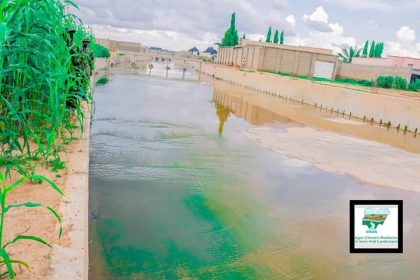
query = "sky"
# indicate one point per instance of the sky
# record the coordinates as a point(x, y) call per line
point(183, 24)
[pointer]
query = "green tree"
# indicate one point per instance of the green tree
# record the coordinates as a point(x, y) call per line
point(281, 38)
point(379, 49)
point(372, 49)
point(268, 38)
point(365, 49)
point(99, 51)
point(231, 35)
point(276, 37)
point(235, 39)
point(244, 37)
point(347, 54)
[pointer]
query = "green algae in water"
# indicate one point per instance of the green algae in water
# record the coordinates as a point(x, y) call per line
point(216, 258)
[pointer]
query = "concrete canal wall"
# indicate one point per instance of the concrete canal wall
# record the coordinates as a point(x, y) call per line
point(362, 102)
point(70, 258)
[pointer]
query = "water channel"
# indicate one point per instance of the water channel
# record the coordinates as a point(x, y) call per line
point(186, 183)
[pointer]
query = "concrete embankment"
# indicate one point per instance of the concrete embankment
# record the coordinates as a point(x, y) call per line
point(70, 259)
point(379, 105)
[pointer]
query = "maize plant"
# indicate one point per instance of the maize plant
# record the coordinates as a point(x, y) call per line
point(5, 190)
point(38, 76)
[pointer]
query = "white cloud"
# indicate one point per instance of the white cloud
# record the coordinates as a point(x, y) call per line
point(376, 24)
point(291, 19)
point(318, 15)
point(376, 5)
point(405, 44)
point(192, 19)
point(406, 34)
point(256, 37)
point(171, 40)
point(280, 4)
point(334, 40)
point(318, 20)
point(182, 24)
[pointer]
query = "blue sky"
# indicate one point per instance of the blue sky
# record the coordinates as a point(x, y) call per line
point(182, 24)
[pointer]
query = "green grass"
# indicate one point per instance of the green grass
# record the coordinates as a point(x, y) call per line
point(382, 82)
point(338, 81)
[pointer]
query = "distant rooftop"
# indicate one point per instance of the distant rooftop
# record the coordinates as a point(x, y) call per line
point(210, 50)
point(156, 49)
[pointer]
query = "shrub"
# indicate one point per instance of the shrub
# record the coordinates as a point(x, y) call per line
point(391, 82)
point(99, 51)
point(414, 85)
point(384, 81)
point(399, 83)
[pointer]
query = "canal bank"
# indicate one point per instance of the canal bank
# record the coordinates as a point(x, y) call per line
point(380, 106)
point(69, 258)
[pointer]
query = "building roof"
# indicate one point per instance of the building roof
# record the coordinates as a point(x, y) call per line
point(210, 50)
point(155, 49)
point(193, 50)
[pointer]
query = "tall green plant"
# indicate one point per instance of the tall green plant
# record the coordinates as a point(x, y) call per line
point(365, 49)
point(372, 49)
point(379, 48)
point(276, 37)
point(38, 76)
point(5, 190)
point(281, 38)
point(348, 53)
point(268, 37)
point(231, 35)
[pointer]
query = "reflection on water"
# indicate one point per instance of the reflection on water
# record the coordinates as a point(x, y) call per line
point(177, 190)
point(258, 108)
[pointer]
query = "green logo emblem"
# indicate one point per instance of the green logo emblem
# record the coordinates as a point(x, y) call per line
point(374, 217)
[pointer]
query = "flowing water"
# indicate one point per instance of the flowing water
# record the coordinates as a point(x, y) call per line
point(182, 188)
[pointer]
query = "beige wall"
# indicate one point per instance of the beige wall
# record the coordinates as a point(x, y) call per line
point(115, 46)
point(275, 58)
point(370, 72)
point(391, 61)
point(244, 43)
point(396, 109)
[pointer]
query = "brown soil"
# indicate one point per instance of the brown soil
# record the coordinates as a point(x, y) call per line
point(37, 221)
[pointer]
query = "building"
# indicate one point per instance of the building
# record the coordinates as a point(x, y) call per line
point(155, 49)
point(407, 67)
point(194, 51)
point(390, 61)
point(115, 46)
point(293, 60)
